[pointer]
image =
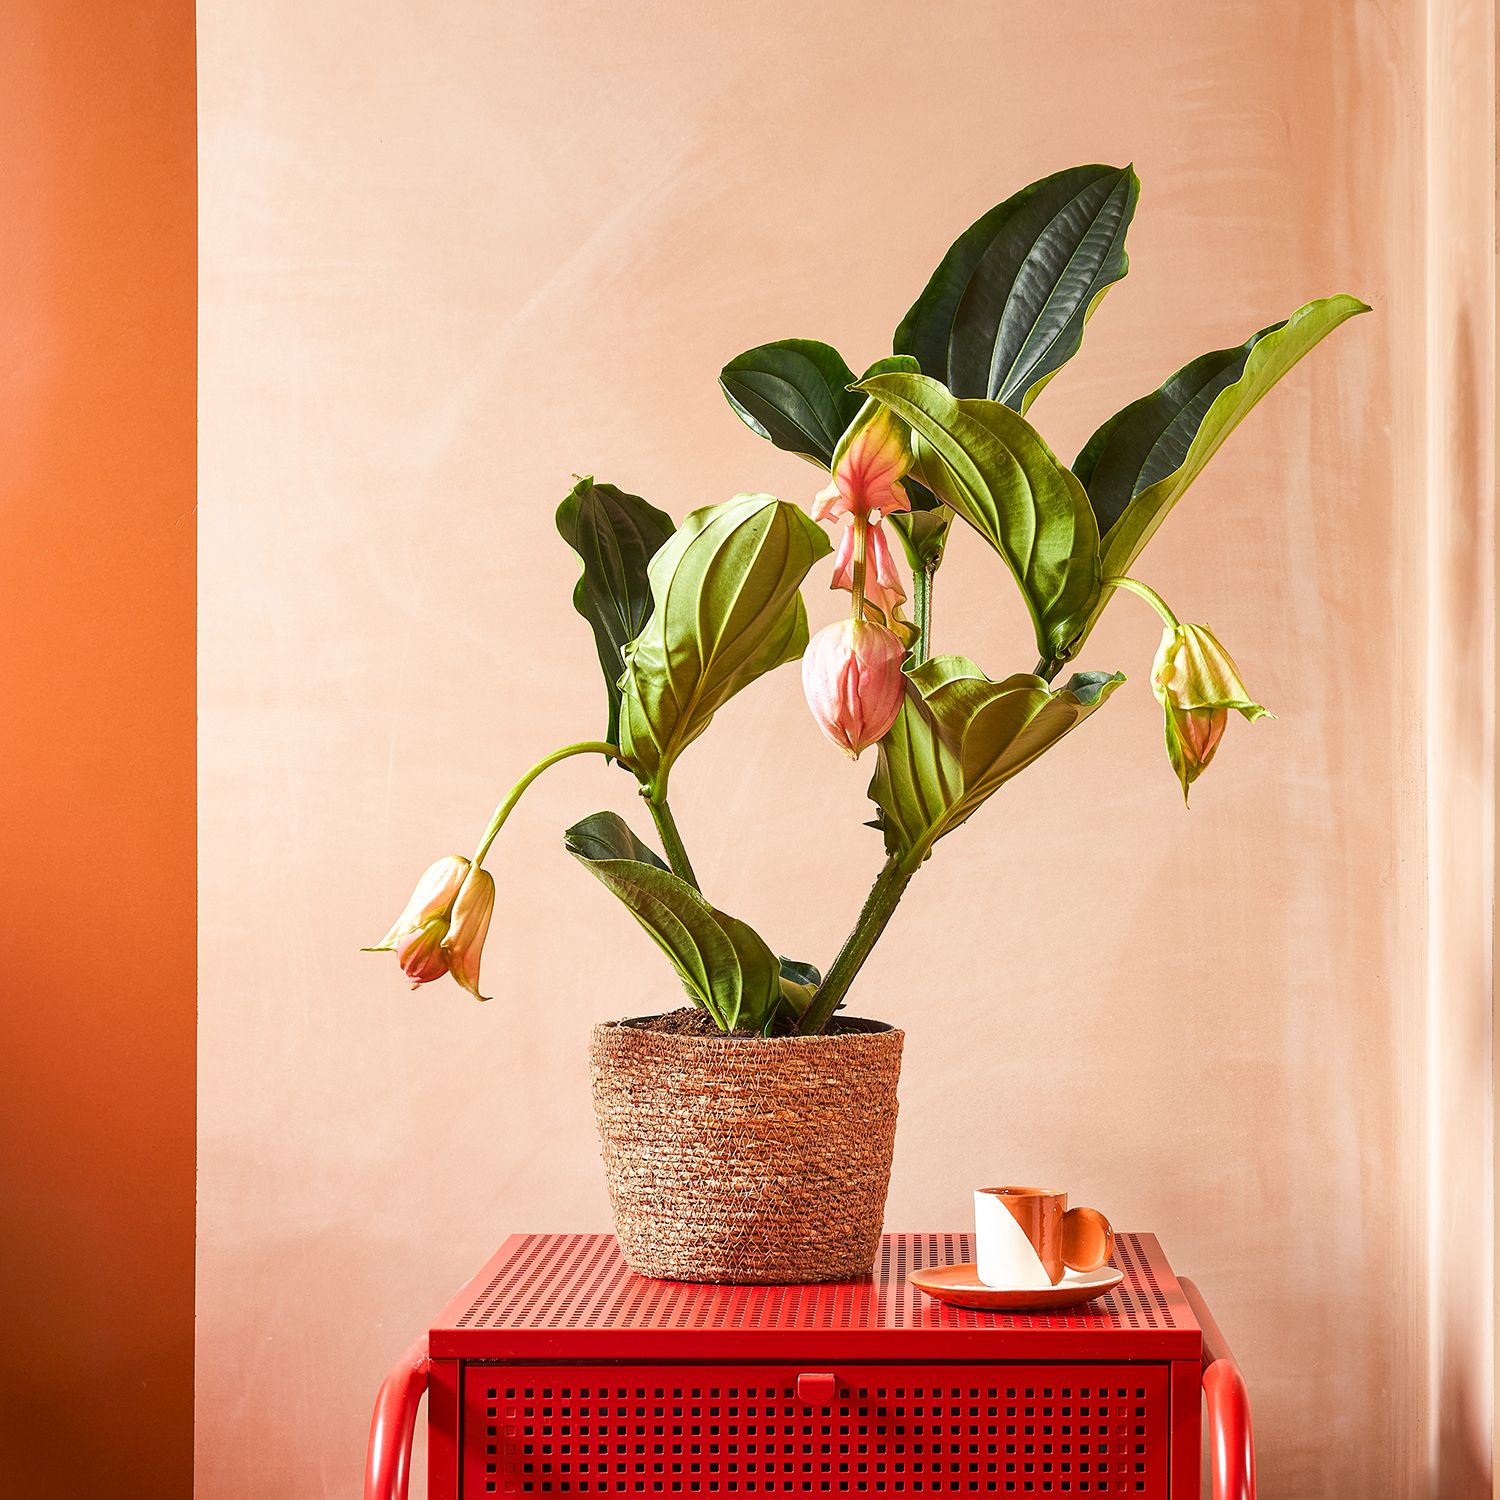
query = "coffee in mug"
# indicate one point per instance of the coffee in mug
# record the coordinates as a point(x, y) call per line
point(1025, 1237)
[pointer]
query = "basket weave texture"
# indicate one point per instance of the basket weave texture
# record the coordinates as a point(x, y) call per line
point(759, 1161)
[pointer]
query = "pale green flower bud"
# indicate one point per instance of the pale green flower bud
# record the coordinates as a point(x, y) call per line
point(1197, 683)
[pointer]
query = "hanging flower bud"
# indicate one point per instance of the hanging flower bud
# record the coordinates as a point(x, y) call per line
point(883, 586)
point(471, 921)
point(443, 927)
point(1197, 683)
point(433, 898)
point(851, 674)
point(872, 458)
point(419, 951)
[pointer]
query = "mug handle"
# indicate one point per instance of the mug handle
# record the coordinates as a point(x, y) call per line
point(1087, 1239)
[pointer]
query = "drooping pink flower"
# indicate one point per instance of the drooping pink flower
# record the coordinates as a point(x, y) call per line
point(419, 951)
point(883, 586)
point(443, 927)
point(851, 674)
point(471, 922)
point(871, 460)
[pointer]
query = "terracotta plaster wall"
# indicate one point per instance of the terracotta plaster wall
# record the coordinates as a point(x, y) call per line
point(453, 253)
point(97, 287)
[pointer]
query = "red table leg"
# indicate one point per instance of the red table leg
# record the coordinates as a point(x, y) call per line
point(388, 1459)
point(1230, 1434)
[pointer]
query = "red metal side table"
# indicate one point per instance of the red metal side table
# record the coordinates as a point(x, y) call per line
point(556, 1371)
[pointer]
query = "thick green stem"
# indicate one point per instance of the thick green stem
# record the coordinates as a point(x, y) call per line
point(921, 583)
point(513, 796)
point(666, 826)
point(1149, 594)
point(879, 907)
point(1046, 669)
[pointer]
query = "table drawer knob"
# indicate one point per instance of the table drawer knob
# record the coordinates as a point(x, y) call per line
point(817, 1390)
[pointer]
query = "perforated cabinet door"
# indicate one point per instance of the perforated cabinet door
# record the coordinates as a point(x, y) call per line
point(1088, 1429)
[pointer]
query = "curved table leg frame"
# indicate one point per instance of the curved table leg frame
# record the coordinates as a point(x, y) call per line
point(1230, 1434)
point(388, 1459)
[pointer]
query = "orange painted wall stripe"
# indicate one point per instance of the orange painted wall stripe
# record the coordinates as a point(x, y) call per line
point(97, 820)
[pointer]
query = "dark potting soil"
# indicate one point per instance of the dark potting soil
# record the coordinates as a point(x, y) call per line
point(690, 1021)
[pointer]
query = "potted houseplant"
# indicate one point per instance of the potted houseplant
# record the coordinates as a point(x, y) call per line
point(748, 1136)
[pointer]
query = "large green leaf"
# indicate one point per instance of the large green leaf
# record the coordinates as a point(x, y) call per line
point(1137, 465)
point(794, 392)
point(724, 964)
point(615, 536)
point(1006, 307)
point(993, 468)
point(960, 737)
point(728, 608)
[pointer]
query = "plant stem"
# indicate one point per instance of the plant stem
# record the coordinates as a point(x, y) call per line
point(1048, 669)
point(879, 907)
point(1149, 594)
point(921, 583)
point(857, 583)
point(513, 796)
point(677, 857)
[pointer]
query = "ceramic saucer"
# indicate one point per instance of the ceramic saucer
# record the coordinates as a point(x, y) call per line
point(961, 1286)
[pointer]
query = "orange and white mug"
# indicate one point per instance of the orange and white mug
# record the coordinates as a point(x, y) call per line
point(1026, 1237)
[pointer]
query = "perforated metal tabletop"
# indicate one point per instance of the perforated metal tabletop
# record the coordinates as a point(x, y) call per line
point(549, 1297)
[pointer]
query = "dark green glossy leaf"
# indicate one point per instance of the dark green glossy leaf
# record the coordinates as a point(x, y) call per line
point(1006, 308)
point(1139, 463)
point(960, 737)
point(728, 608)
point(615, 536)
point(724, 965)
point(794, 392)
point(992, 467)
point(605, 836)
point(1144, 457)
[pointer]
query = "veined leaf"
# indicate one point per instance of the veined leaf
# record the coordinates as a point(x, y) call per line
point(1137, 465)
point(615, 536)
point(993, 468)
point(728, 608)
point(794, 392)
point(723, 964)
point(1007, 306)
point(960, 737)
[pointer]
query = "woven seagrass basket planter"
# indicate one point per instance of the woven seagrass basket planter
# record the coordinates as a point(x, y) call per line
point(747, 1160)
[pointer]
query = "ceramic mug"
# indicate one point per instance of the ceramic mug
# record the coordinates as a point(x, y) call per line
point(1026, 1237)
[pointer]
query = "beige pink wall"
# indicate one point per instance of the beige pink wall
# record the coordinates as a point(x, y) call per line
point(453, 253)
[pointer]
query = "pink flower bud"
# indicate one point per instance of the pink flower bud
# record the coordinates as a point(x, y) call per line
point(883, 587)
point(420, 936)
point(471, 921)
point(419, 951)
point(851, 673)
